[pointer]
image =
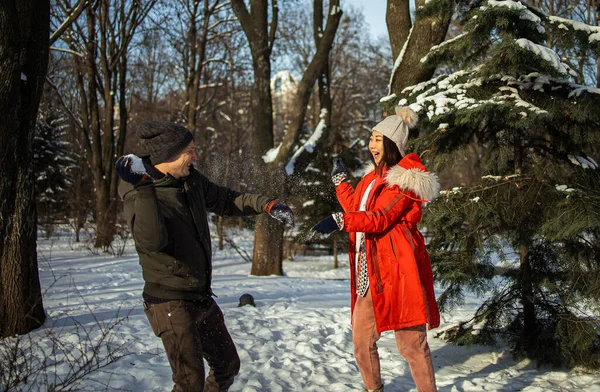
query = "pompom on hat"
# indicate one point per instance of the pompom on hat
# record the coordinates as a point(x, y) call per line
point(162, 141)
point(395, 127)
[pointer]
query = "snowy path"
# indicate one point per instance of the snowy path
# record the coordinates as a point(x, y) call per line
point(298, 338)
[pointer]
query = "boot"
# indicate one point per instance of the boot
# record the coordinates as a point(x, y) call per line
point(373, 390)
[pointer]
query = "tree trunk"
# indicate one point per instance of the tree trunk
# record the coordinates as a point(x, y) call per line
point(335, 254)
point(323, 78)
point(105, 213)
point(425, 33)
point(598, 72)
point(529, 317)
point(221, 232)
point(268, 247)
point(268, 236)
point(398, 22)
point(24, 32)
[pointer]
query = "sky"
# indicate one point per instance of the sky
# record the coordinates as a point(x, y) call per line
point(374, 11)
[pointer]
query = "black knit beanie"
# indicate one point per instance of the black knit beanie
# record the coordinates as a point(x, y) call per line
point(162, 140)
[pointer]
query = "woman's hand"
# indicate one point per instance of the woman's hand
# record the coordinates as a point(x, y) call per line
point(325, 227)
point(338, 174)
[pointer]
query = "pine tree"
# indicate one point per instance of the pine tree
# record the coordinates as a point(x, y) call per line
point(52, 161)
point(527, 234)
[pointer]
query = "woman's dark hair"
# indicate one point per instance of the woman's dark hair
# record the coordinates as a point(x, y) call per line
point(391, 155)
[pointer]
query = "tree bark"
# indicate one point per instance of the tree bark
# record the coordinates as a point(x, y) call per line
point(525, 273)
point(323, 79)
point(397, 17)
point(598, 72)
point(425, 33)
point(24, 43)
point(335, 254)
point(529, 317)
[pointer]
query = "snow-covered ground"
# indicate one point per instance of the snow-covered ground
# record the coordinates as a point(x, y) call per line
point(298, 338)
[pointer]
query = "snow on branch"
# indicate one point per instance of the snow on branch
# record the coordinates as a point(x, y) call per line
point(271, 155)
point(538, 82)
point(547, 54)
point(442, 93)
point(524, 12)
point(567, 24)
point(399, 59)
point(586, 163)
point(442, 45)
point(513, 94)
point(453, 92)
point(310, 144)
point(387, 98)
point(579, 89)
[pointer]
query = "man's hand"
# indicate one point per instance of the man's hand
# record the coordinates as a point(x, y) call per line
point(338, 174)
point(323, 229)
point(131, 169)
point(281, 212)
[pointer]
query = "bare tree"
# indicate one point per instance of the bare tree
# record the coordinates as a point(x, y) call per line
point(324, 77)
point(268, 240)
point(580, 58)
point(200, 22)
point(24, 32)
point(103, 40)
point(151, 74)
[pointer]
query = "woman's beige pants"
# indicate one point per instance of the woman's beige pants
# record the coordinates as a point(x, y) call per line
point(411, 342)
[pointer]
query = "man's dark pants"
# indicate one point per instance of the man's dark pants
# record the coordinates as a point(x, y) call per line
point(191, 331)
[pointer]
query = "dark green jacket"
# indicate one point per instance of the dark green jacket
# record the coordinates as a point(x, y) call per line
point(169, 223)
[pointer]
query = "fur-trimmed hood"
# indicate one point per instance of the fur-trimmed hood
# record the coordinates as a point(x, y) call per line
point(410, 174)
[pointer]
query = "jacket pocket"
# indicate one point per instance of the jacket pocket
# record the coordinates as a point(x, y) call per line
point(151, 315)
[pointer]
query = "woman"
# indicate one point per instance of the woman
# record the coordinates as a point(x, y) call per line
point(391, 278)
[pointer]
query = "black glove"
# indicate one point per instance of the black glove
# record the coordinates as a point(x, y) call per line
point(338, 167)
point(281, 212)
point(322, 229)
point(131, 169)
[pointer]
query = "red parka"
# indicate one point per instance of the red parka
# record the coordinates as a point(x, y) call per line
point(400, 276)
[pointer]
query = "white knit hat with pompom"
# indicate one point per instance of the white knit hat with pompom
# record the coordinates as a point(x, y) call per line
point(396, 126)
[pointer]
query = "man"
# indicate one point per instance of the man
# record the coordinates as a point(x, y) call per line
point(166, 202)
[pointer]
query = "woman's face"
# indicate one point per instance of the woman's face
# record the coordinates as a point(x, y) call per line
point(376, 146)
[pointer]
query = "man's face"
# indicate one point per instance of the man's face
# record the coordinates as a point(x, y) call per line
point(180, 166)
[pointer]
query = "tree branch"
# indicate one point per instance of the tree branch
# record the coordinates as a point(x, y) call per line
point(79, 8)
point(308, 80)
point(239, 8)
point(274, 20)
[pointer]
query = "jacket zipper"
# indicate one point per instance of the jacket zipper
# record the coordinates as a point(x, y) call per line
point(187, 190)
